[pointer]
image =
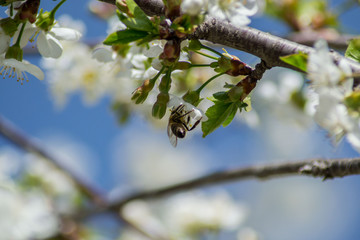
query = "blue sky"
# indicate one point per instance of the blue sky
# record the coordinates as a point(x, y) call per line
point(31, 108)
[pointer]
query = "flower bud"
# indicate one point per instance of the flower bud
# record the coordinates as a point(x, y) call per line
point(237, 67)
point(123, 7)
point(160, 106)
point(171, 51)
point(165, 84)
point(45, 20)
point(141, 93)
point(192, 97)
point(28, 10)
point(352, 102)
point(9, 26)
point(195, 45)
point(182, 65)
point(164, 29)
point(242, 89)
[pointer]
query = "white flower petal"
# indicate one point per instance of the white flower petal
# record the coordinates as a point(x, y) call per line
point(153, 51)
point(48, 45)
point(4, 41)
point(103, 54)
point(14, 68)
point(66, 33)
point(28, 33)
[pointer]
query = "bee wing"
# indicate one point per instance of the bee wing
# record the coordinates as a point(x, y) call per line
point(171, 135)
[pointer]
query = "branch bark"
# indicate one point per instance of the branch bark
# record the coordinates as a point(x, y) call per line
point(263, 45)
point(327, 169)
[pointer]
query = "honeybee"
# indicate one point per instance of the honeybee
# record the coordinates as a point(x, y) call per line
point(179, 123)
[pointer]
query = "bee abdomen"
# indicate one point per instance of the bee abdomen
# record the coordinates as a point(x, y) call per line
point(178, 131)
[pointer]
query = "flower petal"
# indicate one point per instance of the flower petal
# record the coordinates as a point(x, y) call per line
point(66, 34)
point(48, 45)
point(103, 54)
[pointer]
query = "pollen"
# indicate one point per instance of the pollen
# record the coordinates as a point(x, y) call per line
point(12, 72)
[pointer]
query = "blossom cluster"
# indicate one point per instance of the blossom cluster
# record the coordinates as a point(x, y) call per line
point(333, 89)
point(25, 24)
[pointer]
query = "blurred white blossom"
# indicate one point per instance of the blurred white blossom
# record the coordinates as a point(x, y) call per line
point(185, 215)
point(195, 212)
point(25, 215)
point(332, 83)
point(235, 11)
point(286, 99)
point(193, 7)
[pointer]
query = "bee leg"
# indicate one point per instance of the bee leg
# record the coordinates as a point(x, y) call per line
point(181, 116)
point(196, 123)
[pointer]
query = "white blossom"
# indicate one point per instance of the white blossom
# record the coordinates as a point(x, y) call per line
point(48, 42)
point(4, 41)
point(332, 115)
point(196, 113)
point(333, 83)
point(278, 98)
point(324, 73)
point(235, 11)
point(13, 68)
point(193, 7)
point(61, 189)
point(142, 69)
point(25, 215)
point(76, 70)
point(196, 212)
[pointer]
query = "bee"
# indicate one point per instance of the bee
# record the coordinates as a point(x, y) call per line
point(179, 123)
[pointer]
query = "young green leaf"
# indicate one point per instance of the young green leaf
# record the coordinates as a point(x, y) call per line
point(137, 23)
point(124, 36)
point(353, 50)
point(298, 60)
point(229, 119)
point(221, 96)
point(218, 114)
point(139, 15)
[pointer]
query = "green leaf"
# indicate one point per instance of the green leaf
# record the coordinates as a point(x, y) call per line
point(353, 50)
point(140, 16)
point(229, 119)
point(218, 114)
point(138, 23)
point(221, 96)
point(132, 5)
point(298, 60)
point(124, 36)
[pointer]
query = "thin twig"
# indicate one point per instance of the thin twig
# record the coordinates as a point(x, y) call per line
point(13, 134)
point(326, 169)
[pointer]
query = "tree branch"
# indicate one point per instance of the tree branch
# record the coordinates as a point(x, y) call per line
point(263, 45)
point(20, 139)
point(326, 169)
point(334, 39)
point(247, 39)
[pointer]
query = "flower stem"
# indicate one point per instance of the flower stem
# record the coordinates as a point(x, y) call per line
point(52, 13)
point(11, 9)
point(157, 75)
point(20, 35)
point(208, 81)
point(211, 50)
point(206, 55)
point(200, 65)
